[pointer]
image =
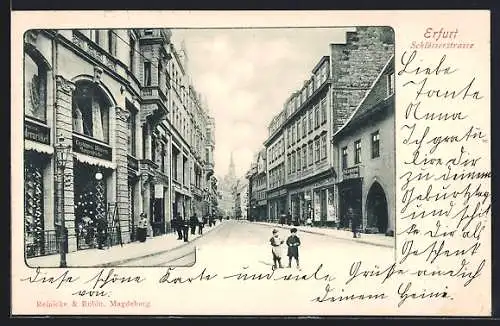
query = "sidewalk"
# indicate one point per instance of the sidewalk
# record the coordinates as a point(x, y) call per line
point(380, 240)
point(118, 255)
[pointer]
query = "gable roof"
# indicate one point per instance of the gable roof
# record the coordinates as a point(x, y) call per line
point(372, 101)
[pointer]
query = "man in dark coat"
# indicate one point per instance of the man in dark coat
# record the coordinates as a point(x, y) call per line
point(177, 224)
point(293, 243)
point(193, 223)
point(355, 222)
point(185, 229)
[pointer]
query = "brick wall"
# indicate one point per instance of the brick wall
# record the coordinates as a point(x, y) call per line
point(354, 67)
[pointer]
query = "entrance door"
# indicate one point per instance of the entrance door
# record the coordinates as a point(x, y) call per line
point(90, 204)
point(376, 208)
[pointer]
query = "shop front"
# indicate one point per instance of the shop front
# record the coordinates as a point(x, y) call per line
point(314, 199)
point(133, 196)
point(277, 203)
point(350, 194)
point(39, 233)
point(96, 220)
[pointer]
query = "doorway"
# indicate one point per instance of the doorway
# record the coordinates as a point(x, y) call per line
point(376, 208)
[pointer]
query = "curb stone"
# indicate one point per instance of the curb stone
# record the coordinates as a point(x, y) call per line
point(156, 253)
point(330, 235)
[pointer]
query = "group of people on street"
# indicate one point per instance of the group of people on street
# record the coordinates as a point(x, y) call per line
point(182, 226)
point(292, 242)
point(179, 225)
point(352, 217)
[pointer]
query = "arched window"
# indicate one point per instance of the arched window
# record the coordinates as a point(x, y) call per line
point(91, 111)
point(35, 88)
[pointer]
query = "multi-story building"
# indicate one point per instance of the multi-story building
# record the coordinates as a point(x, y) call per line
point(257, 179)
point(366, 147)
point(109, 96)
point(275, 169)
point(298, 144)
point(241, 199)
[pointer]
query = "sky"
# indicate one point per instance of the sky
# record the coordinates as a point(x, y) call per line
point(245, 76)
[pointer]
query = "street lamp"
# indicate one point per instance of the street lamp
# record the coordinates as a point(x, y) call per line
point(62, 154)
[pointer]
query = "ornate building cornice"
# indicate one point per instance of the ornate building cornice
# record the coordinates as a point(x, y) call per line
point(65, 85)
point(122, 114)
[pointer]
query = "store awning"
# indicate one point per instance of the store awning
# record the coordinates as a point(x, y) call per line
point(38, 147)
point(94, 161)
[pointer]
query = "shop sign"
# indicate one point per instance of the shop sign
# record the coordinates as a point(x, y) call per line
point(84, 146)
point(36, 132)
point(279, 193)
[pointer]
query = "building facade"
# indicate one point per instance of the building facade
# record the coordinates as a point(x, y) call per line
point(257, 181)
point(108, 95)
point(302, 164)
point(366, 147)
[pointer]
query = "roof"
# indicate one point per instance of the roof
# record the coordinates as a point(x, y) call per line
point(372, 102)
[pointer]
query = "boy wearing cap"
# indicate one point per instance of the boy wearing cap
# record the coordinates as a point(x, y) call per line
point(293, 243)
point(276, 243)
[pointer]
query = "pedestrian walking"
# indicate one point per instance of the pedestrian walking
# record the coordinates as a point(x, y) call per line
point(185, 229)
point(282, 218)
point(288, 218)
point(309, 221)
point(177, 221)
point(276, 243)
point(193, 222)
point(355, 222)
point(143, 227)
point(293, 243)
point(200, 225)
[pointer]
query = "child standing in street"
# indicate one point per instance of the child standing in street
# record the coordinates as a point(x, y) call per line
point(293, 243)
point(276, 243)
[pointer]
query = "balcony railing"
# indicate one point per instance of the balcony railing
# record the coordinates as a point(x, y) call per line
point(94, 50)
point(41, 243)
point(89, 238)
point(153, 92)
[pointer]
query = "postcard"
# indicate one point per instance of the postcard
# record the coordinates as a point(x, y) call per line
point(298, 163)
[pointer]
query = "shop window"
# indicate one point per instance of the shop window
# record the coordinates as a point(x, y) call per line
point(357, 152)
point(33, 207)
point(375, 144)
point(344, 158)
point(90, 204)
point(35, 89)
point(91, 111)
